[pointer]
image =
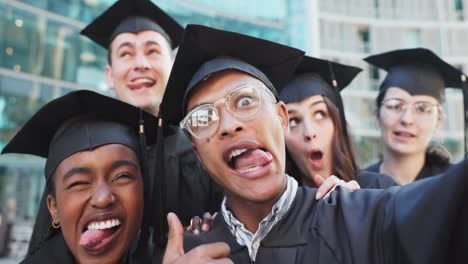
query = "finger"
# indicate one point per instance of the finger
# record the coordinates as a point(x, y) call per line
point(195, 223)
point(206, 222)
point(175, 240)
point(326, 186)
point(216, 250)
point(353, 185)
point(222, 261)
point(318, 180)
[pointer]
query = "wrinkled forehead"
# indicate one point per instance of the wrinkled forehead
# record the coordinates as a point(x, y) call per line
point(218, 85)
point(141, 38)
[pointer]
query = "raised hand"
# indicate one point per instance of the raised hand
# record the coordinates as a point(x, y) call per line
point(326, 186)
point(209, 253)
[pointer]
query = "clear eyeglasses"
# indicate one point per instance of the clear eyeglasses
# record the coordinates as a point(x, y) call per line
point(243, 102)
point(399, 106)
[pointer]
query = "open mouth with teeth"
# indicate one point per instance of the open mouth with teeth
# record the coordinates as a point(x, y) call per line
point(403, 134)
point(316, 158)
point(98, 235)
point(143, 82)
point(246, 160)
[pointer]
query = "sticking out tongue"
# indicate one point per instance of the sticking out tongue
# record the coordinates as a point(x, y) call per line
point(251, 158)
point(93, 237)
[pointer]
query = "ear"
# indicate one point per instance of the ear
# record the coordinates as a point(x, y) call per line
point(441, 119)
point(377, 116)
point(109, 77)
point(52, 206)
point(283, 116)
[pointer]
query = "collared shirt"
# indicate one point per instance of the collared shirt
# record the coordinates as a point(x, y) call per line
point(243, 236)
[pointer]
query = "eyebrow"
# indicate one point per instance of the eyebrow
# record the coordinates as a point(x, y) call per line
point(84, 170)
point(125, 44)
point(152, 42)
point(290, 111)
point(121, 163)
point(74, 171)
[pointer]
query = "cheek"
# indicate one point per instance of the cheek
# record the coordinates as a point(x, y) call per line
point(70, 211)
point(294, 143)
point(328, 132)
point(387, 121)
point(132, 203)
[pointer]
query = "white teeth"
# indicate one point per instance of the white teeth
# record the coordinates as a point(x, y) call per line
point(143, 80)
point(236, 153)
point(250, 169)
point(104, 224)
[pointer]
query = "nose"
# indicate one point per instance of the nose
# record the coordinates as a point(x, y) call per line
point(407, 117)
point(141, 62)
point(102, 197)
point(308, 131)
point(229, 125)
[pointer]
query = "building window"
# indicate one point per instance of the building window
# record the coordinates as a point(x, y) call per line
point(364, 39)
point(412, 38)
point(458, 6)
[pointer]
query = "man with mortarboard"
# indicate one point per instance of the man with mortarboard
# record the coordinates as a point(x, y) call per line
point(140, 38)
point(229, 109)
point(409, 112)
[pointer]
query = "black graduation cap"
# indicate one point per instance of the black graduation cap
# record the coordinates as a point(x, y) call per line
point(81, 120)
point(321, 77)
point(315, 76)
point(421, 71)
point(205, 51)
point(132, 16)
point(418, 71)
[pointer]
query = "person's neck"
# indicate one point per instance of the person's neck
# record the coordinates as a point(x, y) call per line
point(403, 167)
point(154, 110)
point(251, 213)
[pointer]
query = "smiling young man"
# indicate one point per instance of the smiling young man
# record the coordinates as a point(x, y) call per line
point(237, 127)
point(140, 38)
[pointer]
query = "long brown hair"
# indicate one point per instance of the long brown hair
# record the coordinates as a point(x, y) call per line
point(343, 157)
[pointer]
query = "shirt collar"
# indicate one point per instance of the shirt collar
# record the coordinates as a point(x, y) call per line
point(279, 209)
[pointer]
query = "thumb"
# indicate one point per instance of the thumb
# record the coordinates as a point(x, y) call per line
point(175, 240)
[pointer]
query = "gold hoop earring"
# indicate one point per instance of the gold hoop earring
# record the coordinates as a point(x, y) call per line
point(54, 225)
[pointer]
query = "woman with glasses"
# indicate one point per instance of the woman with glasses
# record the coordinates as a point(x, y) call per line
point(409, 112)
point(319, 142)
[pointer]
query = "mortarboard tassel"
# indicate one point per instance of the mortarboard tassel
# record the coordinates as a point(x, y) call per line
point(465, 111)
point(160, 203)
point(145, 230)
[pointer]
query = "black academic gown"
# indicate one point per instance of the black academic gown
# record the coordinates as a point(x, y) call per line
point(190, 190)
point(375, 180)
point(422, 222)
point(54, 250)
point(429, 169)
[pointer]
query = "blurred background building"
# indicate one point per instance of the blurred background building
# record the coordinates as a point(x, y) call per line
point(42, 56)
